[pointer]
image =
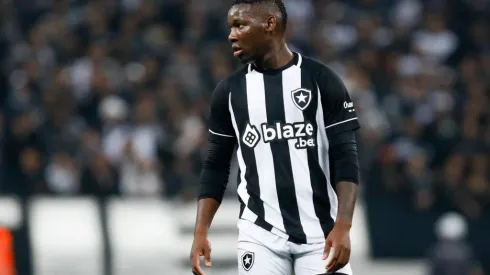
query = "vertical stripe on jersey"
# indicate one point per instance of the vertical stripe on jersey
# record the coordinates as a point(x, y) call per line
point(284, 178)
point(243, 195)
point(301, 167)
point(242, 203)
point(323, 158)
point(266, 171)
point(316, 157)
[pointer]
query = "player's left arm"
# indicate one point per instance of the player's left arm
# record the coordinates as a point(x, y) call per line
point(344, 162)
point(341, 123)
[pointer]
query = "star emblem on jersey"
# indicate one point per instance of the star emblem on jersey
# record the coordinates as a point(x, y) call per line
point(248, 260)
point(301, 98)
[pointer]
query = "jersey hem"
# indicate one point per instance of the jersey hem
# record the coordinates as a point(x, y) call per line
point(257, 232)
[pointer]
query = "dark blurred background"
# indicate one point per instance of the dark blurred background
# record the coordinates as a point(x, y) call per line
point(109, 98)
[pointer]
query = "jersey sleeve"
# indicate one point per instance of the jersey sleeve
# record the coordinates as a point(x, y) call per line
point(338, 109)
point(220, 118)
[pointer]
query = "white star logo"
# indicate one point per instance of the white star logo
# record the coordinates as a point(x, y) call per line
point(247, 260)
point(301, 98)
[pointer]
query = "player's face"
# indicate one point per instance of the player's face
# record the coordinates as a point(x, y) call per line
point(247, 34)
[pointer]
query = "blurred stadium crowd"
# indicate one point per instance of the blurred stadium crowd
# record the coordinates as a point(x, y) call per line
point(111, 97)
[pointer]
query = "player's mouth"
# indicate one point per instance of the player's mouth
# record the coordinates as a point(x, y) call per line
point(237, 51)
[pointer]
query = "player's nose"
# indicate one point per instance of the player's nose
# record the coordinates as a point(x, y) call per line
point(232, 37)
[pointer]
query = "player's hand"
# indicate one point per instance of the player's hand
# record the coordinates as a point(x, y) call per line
point(200, 247)
point(339, 240)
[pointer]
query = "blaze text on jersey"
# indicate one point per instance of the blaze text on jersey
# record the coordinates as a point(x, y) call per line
point(302, 132)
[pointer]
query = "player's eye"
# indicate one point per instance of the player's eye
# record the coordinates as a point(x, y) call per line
point(239, 25)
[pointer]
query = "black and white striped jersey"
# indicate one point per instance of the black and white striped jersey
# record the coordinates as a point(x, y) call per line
point(282, 120)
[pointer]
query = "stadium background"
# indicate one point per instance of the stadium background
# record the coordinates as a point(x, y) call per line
point(103, 108)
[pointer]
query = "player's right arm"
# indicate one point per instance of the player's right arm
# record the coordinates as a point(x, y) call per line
point(214, 175)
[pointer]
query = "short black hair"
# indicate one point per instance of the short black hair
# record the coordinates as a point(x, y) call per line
point(277, 3)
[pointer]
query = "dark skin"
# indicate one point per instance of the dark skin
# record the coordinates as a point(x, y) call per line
point(257, 35)
point(339, 238)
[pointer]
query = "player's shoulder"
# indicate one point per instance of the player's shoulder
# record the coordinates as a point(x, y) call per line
point(226, 83)
point(324, 75)
point(316, 67)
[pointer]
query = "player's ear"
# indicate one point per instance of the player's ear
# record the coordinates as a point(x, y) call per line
point(270, 23)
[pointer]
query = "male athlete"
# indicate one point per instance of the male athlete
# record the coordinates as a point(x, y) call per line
point(294, 125)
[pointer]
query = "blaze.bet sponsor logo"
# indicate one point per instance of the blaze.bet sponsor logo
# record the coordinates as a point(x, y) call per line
point(302, 132)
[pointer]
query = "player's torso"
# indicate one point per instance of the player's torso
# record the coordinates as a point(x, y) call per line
point(278, 116)
point(278, 120)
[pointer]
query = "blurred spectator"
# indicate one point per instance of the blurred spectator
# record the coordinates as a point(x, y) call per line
point(139, 163)
point(32, 171)
point(99, 177)
point(420, 180)
point(452, 255)
point(435, 42)
point(63, 174)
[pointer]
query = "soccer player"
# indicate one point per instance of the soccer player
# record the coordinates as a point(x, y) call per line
point(293, 125)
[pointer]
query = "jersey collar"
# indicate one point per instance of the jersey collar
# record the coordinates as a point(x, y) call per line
point(297, 59)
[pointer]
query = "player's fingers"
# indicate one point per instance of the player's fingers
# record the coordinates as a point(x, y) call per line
point(330, 265)
point(326, 251)
point(197, 271)
point(207, 257)
point(343, 259)
point(335, 258)
point(345, 256)
point(196, 266)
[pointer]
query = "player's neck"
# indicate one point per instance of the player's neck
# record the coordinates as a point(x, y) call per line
point(278, 56)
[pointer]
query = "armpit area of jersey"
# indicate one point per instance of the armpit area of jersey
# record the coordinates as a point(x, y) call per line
point(216, 167)
point(343, 157)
